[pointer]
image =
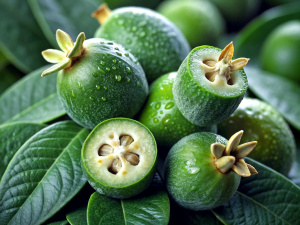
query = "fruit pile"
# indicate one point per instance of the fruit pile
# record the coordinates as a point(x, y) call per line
point(151, 117)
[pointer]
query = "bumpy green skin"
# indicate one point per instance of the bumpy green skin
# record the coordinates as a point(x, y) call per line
point(159, 46)
point(106, 82)
point(191, 177)
point(199, 21)
point(199, 105)
point(280, 53)
point(262, 123)
point(124, 191)
point(163, 118)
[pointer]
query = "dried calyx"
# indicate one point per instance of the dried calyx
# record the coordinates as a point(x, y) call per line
point(70, 52)
point(224, 66)
point(121, 151)
point(230, 157)
point(102, 13)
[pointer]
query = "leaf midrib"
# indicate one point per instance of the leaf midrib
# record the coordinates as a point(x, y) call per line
point(264, 207)
point(51, 167)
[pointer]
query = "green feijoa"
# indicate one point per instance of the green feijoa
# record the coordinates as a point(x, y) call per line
point(119, 157)
point(97, 79)
point(159, 46)
point(276, 144)
point(163, 118)
point(202, 170)
point(280, 53)
point(189, 17)
point(210, 85)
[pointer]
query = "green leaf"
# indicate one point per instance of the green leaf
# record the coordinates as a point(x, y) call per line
point(31, 99)
point(78, 217)
point(151, 207)
point(250, 40)
point(294, 174)
point(265, 198)
point(64, 222)
point(21, 40)
point(282, 94)
point(43, 175)
point(7, 78)
point(71, 16)
point(12, 137)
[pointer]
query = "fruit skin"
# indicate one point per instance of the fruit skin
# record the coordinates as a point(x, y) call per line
point(199, 21)
point(159, 46)
point(114, 191)
point(92, 92)
point(280, 53)
point(275, 142)
point(191, 177)
point(199, 105)
point(163, 118)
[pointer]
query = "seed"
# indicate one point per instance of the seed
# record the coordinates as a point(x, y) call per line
point(126, 140)
point(105, 150)
point(115, 166)
point(132, 158)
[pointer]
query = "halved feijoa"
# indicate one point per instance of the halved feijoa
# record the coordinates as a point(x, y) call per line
point(157, 43)
point(119, 157)
point(210, 85)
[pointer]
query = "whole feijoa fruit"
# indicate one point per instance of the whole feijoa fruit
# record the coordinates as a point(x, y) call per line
point(201, 173)
point(163, 118)
point(210, 85)
point(159, 46)
point(276, 144)
point(280, 53)
point(97, 79)
point(199, 21)
point(119, 157)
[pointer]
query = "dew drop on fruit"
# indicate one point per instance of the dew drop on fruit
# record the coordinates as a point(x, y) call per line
point(79, 85)
point(134, 28)
point(114, 68)
point(193, 170)
point(103, 99)
point(119, 53)
point(126, 54)
point(128, 41)
point(155, 120)
point(114, 61)
point(169, 105)
point(102, 63)
point(91, 98)
point(128, 79)
point(105, 88)
point(118, 78)
point(153, 114)
point(166, 119)
point(73, 94)
point(128, 69)
point(107, 69)
point(138, 84)
point(157, 105)
point(193, 188)
point(95, 74)
point(98, 86)
point(143, 34)
point(101, 70)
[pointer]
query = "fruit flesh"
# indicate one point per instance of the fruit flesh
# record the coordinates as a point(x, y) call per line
point(191, 176)
point(119, 157)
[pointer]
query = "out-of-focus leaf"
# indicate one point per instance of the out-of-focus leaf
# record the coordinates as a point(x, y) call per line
point(21, 39)
point(78, 217)
point(281, 93)
point(250, 40)
point(294, 174)
point(12, 137)
point(43, 175)
point(71, 16)
point(31, 99)
point(265, 198)
point(7, 78)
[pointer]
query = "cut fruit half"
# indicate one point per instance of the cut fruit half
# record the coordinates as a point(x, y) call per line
point(119, 157)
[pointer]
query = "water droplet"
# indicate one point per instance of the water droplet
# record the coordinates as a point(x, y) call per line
point(193, 188)
point(161, 112)
point(169, 105)
point(105, 88)
point(153, 113)
point(114, 61)
point(128, 69)
point(102, 63)
point(143, 34)
point(83, 88)
point(157, 105)
point(98, 86)
point(126, 54)
point(73, 94)
point(166, 119)
point(128, 79)
point(134, 28)
point(95, 74)
point(155, 120)
point(107, 69)
point(118, 78)
point(114, 68)
point(128, 41)
point(138, 84)
point(119, 53)
point(103, 99)
point(91, 99)
point(79, 85)
point(116, 48)
point(101, 70)
point(110, 43)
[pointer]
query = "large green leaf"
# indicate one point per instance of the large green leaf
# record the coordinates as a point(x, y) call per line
point(150, 208)
point(294, 174)
point(12, 137)
point(265, 198)
point(21, 39)
point(31, 99)
point(250, 40)
point(72, 16)
point(78, 217)
point(282, 94)
point(43, 175)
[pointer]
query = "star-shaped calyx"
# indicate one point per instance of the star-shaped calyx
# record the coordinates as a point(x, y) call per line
point(224, 66)
point(70, 51)
point(230, 157)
